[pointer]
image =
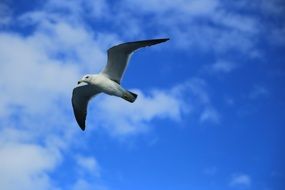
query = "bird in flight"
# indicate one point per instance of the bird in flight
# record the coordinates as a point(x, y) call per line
point(108, 80)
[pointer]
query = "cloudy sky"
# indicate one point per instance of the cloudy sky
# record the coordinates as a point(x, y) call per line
point(210, 114)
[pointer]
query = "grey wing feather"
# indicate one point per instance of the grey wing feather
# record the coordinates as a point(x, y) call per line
point(118, 57)
point(80, 98)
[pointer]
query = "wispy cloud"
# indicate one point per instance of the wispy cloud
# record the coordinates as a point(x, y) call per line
point(207, 25)
point(258, 91)
point(89, 165)
point(210, 114)
point(200, 100)
point(82, 184)
point(274, 7)
point(210, 171)
point(240, 181)
point(277, 36)
point(222, 66)
point(202, 7)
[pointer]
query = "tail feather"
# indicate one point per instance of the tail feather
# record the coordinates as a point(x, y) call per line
point(130, 96)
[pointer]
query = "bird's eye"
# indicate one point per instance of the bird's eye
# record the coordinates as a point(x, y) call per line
point(87, 77)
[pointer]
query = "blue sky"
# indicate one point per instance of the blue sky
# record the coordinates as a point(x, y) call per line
point(210, 111)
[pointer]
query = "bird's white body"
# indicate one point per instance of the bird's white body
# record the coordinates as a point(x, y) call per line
point(102, 83)
point(108, 80)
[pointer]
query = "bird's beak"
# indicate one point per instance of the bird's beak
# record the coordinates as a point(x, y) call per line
point(80, 81)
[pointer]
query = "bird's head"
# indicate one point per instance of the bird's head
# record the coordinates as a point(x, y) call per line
point(86, 78)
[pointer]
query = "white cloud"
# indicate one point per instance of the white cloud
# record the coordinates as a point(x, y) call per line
point(89, 165)
point(210, 114)
point(198, 89)
point(201, 101)
point(191, 7)
point(211, 171)
point(25, 166)
point(237, 21)
point(211, 39)
point(35, 75)
point(207, 25)
point(240, 180)
point(258, 91)
point(222, 66)
point(273, 7)
point(82, 184)
point(122, 118)
point(50, 59)
point(98, 8)
point(210, 25)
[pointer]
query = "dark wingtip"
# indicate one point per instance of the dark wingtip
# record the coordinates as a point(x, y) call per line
point(165, 39)
point(80, 123)
point(156, 41)
point(160, 40)
point(82, 127)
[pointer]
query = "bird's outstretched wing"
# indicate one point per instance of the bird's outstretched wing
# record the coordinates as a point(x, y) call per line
point(80, 96)
point(118, 57)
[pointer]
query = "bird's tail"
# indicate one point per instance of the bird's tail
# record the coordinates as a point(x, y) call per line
point(129, 96)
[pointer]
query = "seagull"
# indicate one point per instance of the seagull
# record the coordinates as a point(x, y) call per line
point(108, 80)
